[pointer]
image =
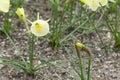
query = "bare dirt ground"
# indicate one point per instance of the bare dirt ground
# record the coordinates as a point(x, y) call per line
point(105, 65)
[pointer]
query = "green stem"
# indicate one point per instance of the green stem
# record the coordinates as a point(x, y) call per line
point(31, 51)
point(91, 21)
point(80, 63)
point(81, 68)
point(89, 64)
point(11, 41)
point(6, 26)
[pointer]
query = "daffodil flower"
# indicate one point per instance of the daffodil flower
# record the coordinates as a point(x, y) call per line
point(112, 0)
point(95, 4)
point(40, 28)
point(4, 5)
point(21, 13)
point(103, 2)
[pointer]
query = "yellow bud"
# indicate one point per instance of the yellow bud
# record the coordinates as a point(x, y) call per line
point(4, 5)
point(20, 12)
point(80, 45)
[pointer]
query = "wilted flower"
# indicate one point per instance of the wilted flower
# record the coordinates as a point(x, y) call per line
point(40, 28)
point(21, 13)
point(4, 5)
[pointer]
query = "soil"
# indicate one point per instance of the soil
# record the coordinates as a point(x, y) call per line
point(105, 64)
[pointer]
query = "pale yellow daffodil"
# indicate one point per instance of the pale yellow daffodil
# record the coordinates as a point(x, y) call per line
point(95, 4)
point(21, 13)
point(103, 2)
point(92, 4)
point(40, 28)
point(112, 0)
point(4, 5)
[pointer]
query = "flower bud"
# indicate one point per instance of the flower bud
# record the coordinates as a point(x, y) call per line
point(20, 12)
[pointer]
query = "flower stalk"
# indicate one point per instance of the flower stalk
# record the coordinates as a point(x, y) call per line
point(38, 28)
point(31, 51)
point(79, 46)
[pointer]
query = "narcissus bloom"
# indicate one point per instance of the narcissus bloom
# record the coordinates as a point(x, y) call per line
point(112, 0)
point(40, 28)
point(21, 13)
point(4, 5)
point(103, 2)
point(95, 4)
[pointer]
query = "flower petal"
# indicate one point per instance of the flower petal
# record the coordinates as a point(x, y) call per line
point(4, 5)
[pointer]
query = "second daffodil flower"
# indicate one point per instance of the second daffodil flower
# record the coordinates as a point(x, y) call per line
point(40, 28)
point(95, 4)
point(4, 5)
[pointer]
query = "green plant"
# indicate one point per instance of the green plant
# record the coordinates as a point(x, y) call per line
point(79, 46)
point(6, 26)
point(59, 11)
point(77, 61)
point(38, 28)
point(112, 22)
